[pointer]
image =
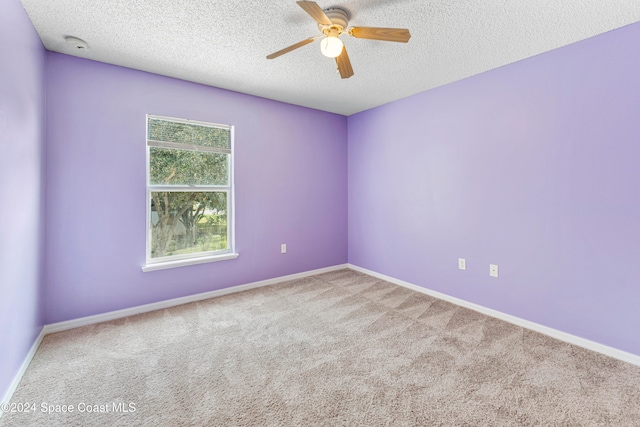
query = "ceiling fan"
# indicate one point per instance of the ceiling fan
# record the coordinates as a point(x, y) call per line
point(332, 23)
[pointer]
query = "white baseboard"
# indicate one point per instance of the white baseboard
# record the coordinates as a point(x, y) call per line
point(23, 368)
point(89, 320)
point(554, 333)
point(118, 314)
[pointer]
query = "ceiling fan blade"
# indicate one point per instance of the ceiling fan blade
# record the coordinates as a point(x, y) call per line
point(344, 64)
point(387, 34)
point(315, 11)
point(292, 47)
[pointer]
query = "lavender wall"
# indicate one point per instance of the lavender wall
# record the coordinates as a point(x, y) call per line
point(291, 174)
point(535, 167)
point(21, 188)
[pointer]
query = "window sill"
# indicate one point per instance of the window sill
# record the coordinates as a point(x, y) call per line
point(185, 262)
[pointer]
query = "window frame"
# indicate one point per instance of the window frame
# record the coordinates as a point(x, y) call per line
point(171, 261)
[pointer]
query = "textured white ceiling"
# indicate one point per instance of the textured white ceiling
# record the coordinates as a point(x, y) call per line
point(224, 43)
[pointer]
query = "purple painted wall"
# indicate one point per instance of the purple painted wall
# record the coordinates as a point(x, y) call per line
point(535, 167)
point(22, 65)
point(291, 170)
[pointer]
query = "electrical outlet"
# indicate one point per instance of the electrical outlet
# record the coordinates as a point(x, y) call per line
point(283, 248)
point(493, 270)
point(462, 264)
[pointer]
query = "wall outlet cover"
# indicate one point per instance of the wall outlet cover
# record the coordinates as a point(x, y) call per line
point(493, 270)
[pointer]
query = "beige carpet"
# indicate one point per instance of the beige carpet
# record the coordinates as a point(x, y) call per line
point(336, 349)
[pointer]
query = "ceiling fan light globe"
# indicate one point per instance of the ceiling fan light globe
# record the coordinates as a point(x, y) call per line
point(331, 46)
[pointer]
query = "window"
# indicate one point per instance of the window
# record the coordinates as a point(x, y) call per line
point(189, 192)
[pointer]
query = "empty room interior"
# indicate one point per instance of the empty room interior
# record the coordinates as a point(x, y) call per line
point(203, 223)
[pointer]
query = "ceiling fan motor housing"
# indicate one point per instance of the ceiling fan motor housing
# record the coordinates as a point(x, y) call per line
point(338, 16)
